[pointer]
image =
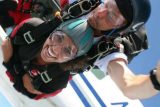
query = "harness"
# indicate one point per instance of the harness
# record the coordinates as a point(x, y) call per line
point(53, 78)
point(99, 50)
point(133, 42)
point(30, 34)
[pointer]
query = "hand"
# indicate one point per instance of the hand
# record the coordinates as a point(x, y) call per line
point(28, 84)
point(7, 49)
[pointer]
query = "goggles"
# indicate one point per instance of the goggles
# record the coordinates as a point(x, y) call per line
point(82, 7)
point(57, 38)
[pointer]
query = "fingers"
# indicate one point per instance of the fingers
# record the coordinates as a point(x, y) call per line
point(32, 90)
point(27, 81)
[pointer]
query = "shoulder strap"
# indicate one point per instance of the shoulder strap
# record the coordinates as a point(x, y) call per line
point(76, 9)
point(102, 48)
point(51, 73)
point(97, 51)
point(37, 33)
point(29, 36)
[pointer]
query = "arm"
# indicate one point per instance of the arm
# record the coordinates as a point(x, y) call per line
point(27, 81)
point(7, 49)
point(132, 86)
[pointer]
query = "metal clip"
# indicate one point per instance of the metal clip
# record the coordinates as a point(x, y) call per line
point(28, 37)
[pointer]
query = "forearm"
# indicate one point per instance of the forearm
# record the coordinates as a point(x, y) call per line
point(140, 87)
point(134, 87)
point(6, 49)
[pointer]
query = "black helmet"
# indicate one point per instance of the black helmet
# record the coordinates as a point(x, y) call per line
point(136, 12)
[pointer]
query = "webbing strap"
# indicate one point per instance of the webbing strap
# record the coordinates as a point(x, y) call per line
point(51, 73)
point(36, 33)
point(76, 9)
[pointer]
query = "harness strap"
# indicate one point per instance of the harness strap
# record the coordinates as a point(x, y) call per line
point(50, 73)
point(28, 37)
point(103, 48)
point(98, 51)
point(76, 9)
point(36, 33)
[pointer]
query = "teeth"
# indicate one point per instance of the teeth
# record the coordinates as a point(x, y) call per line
point(50, 52)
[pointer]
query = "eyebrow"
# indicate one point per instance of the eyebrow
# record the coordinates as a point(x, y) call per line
point(60, 37)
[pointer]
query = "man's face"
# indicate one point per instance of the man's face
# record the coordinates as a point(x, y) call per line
point(106, 16)
point(58, 48)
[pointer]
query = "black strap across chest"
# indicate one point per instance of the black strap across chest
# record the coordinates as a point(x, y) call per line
point(32, 34)
point(51, 76)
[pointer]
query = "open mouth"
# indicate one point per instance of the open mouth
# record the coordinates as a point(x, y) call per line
point(50, 52)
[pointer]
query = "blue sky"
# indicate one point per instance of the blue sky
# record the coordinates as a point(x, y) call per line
point(148, 59)
point(144, 62)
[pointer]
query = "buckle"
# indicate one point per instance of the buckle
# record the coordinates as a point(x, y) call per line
point(45, 77)
point(83, 6)
point(28, 37)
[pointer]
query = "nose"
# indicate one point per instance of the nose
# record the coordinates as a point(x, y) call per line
point(74, 51)
point(57, 51)
point(101, 13)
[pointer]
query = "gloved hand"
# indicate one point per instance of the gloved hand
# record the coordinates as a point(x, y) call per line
point(134, 42)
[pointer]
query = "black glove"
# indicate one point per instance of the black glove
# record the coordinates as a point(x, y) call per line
point(134, 42)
